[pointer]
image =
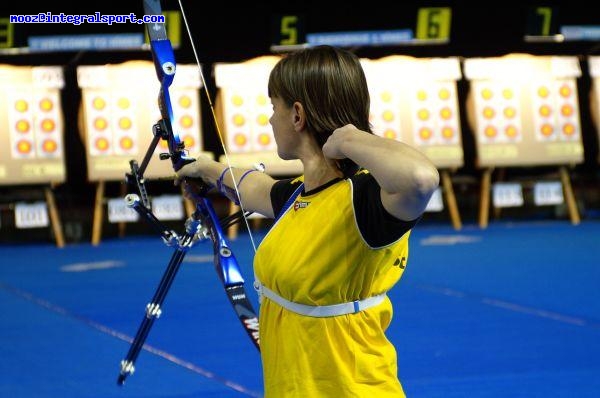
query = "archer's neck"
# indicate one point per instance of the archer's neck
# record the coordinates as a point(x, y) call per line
point(318, 171)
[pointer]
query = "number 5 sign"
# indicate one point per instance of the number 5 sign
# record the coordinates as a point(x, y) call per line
point(288, 30)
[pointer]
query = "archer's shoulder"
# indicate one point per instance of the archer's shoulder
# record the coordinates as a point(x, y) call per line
point(297, 180)
point(362, 177)
point(282, 190)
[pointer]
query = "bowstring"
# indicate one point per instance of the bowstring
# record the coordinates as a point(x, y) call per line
point(214, 115)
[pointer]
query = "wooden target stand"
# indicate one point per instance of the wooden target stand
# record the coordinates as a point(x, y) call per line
point(450, 199)
point(98, 218)
point(54, 217)
point(485, 204)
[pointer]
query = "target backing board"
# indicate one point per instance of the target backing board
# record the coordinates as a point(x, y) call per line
point(31, 125)
point(244, 110)
point(414, 100)
point(524, 110)
point(594, 69)
point(119, 108)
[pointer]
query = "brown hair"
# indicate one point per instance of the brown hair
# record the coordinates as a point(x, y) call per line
point(331, 85)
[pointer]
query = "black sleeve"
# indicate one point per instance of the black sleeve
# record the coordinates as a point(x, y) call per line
point(281, 191)
point(377, 226)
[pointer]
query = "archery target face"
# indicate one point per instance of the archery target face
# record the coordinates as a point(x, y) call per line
point(111, 123)
point(415, 101)
point(245, 106)
point(555, 109)
point(119, 110)
point(435, 114)
point(244, 109)
point(186, 120)
point(32, 125)
point(384, 115)
point(528, 117)
point(36, 124)
point(247, 114)
point(497, 111)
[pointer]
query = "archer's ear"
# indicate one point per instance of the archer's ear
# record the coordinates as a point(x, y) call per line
point(299, 116)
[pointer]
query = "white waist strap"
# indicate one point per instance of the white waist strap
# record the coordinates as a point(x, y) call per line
point(320, 311)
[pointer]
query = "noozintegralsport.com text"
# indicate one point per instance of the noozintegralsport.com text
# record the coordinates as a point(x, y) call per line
point(48, 17)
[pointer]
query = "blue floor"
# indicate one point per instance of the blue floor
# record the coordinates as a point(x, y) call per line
point(509, 311)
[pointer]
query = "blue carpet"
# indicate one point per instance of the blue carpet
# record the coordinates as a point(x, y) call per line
point(512, 310)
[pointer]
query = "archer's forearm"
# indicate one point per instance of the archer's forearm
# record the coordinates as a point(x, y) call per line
point(253, 186)
point(396, 166)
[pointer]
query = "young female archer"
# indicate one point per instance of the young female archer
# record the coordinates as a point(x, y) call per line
point(341, 241)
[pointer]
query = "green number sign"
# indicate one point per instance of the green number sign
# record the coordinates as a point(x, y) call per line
point(434, 23)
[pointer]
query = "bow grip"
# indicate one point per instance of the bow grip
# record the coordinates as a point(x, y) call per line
point(195, 187)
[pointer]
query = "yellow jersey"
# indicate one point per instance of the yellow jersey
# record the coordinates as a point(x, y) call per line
point(333, 245)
